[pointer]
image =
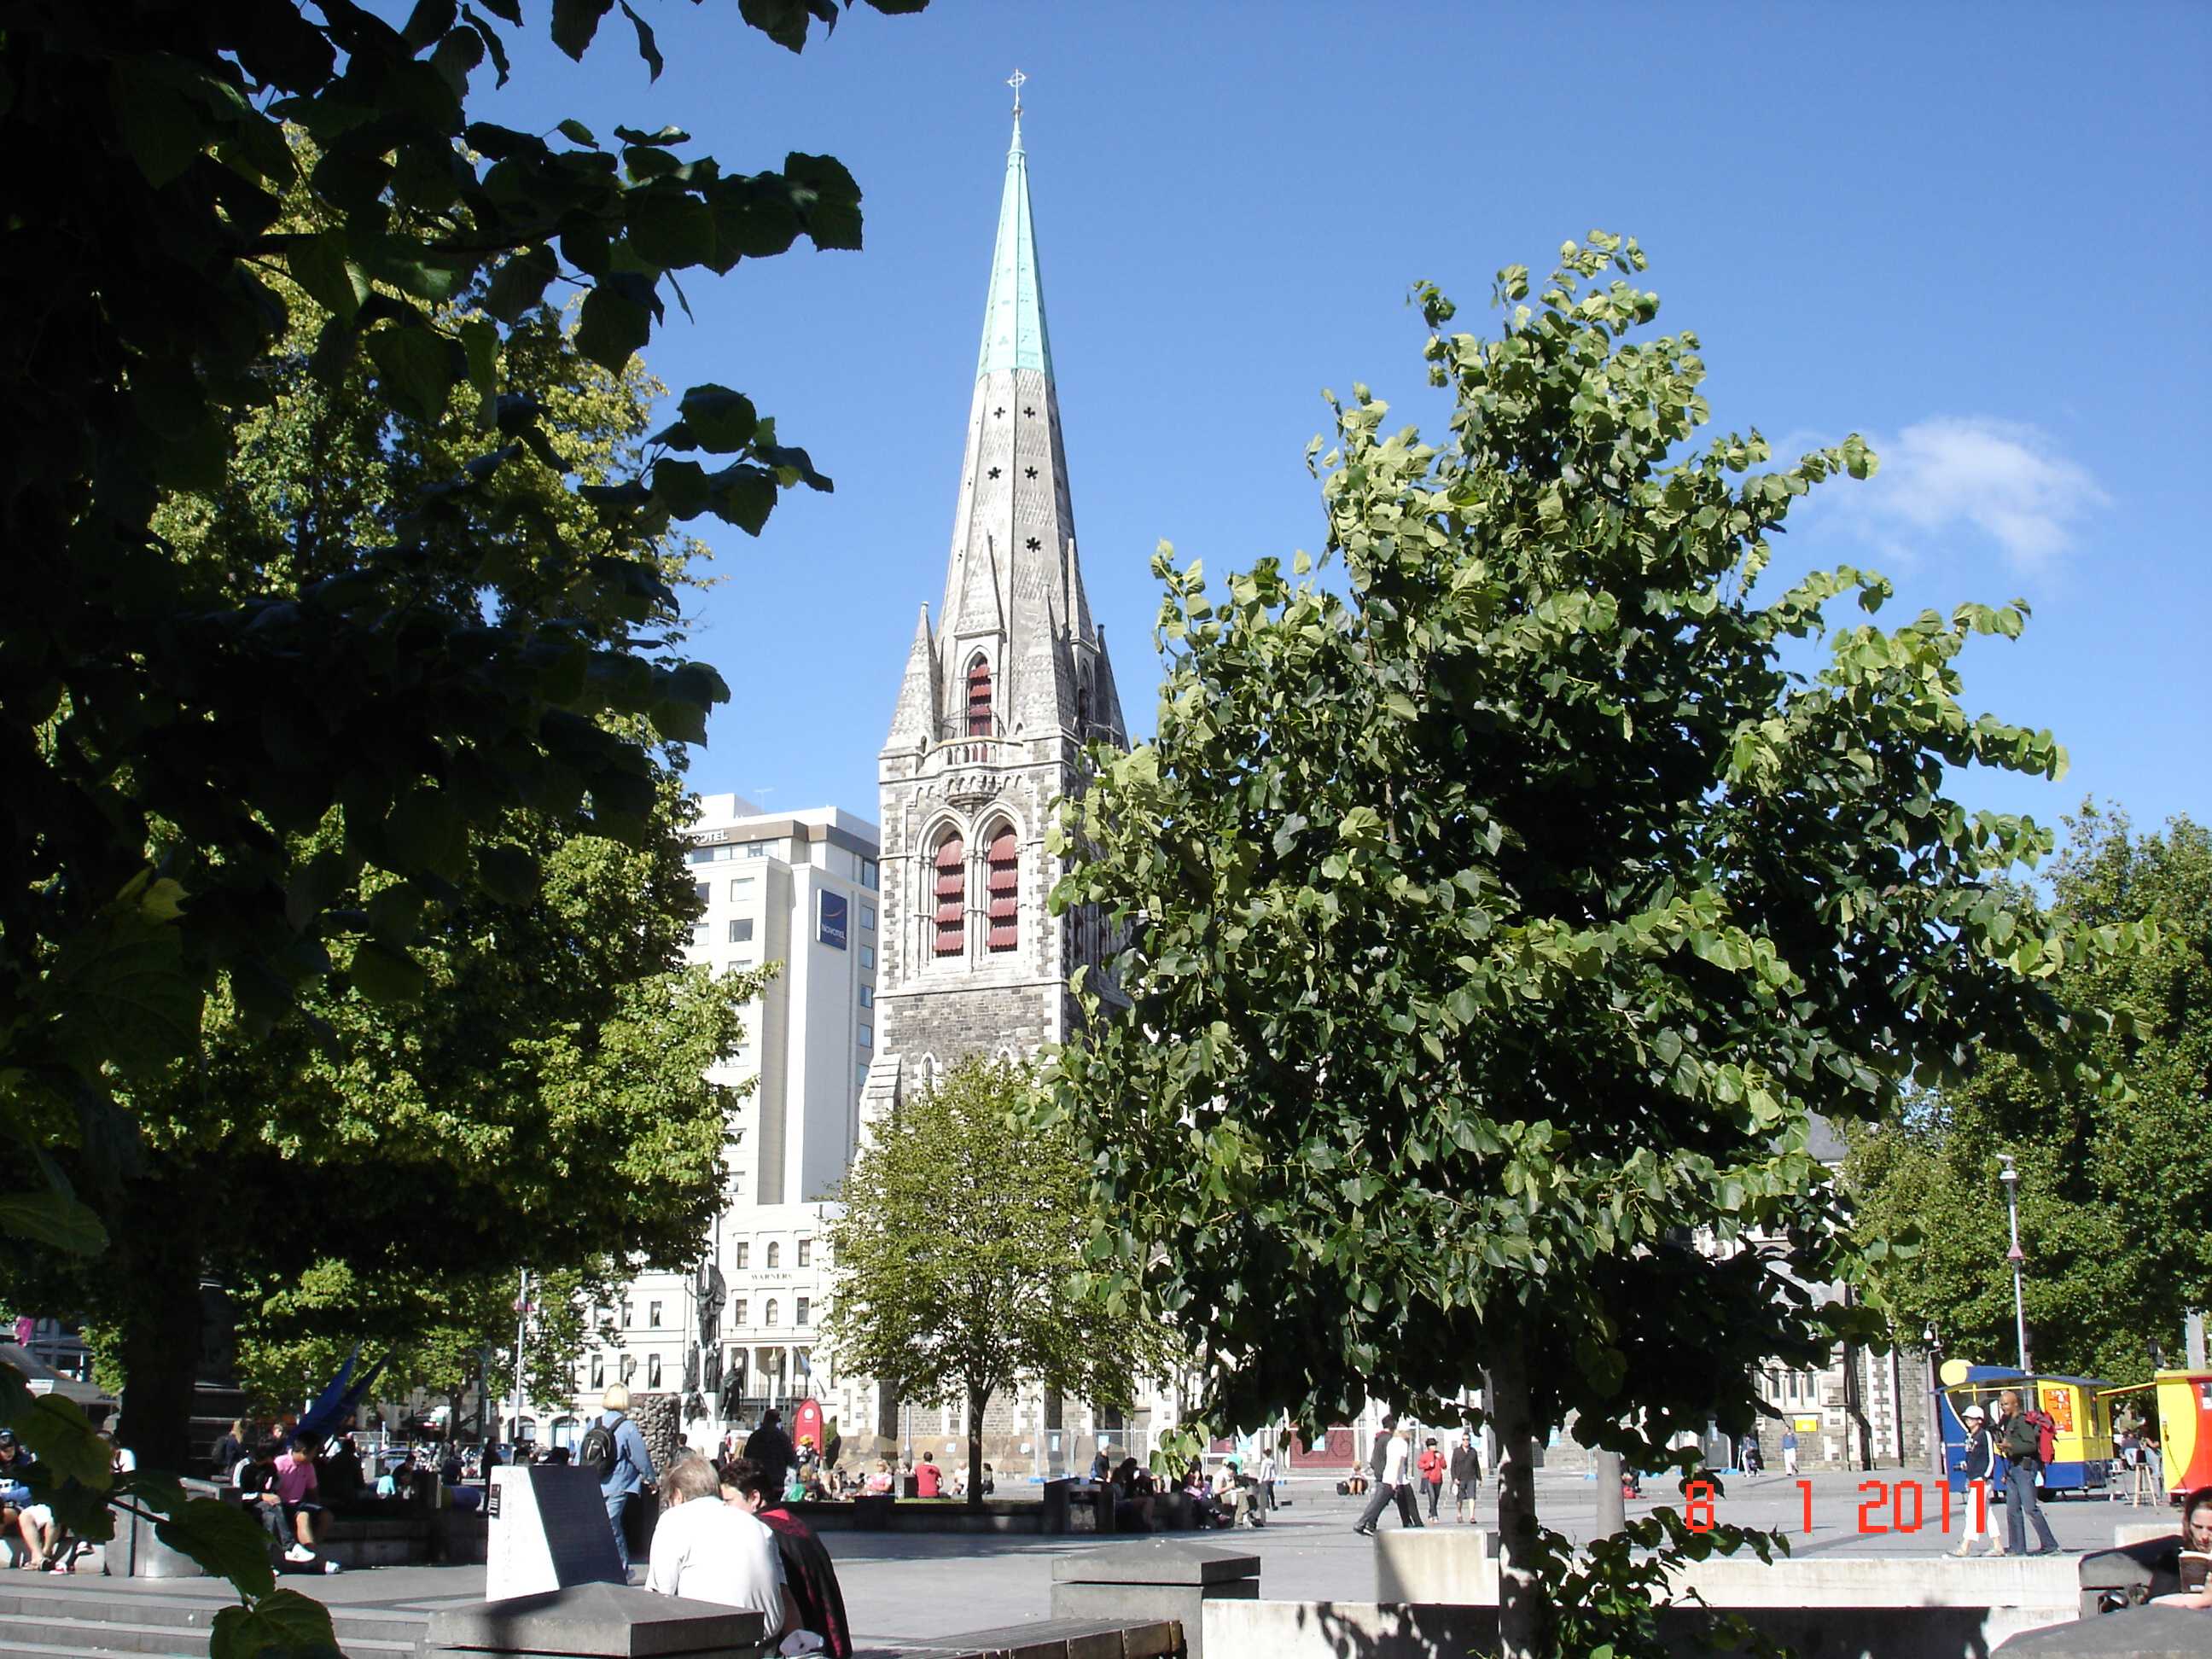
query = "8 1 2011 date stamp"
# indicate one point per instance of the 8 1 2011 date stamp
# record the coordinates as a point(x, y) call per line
point(1885, 1506)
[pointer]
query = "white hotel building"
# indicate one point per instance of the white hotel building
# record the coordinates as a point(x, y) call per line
point(799, 889)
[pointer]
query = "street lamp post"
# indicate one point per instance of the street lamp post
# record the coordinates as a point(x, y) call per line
point(2010, 1176)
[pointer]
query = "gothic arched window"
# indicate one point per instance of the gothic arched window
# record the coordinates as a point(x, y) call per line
point(1005, 884)
point(951, 897)
point(979, 697)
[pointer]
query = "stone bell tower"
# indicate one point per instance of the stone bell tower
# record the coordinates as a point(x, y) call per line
point(999, 696)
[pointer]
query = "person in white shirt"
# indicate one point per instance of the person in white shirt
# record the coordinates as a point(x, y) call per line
point(705, 1550)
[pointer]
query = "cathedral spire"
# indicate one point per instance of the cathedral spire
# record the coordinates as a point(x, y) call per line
point(1013, 315)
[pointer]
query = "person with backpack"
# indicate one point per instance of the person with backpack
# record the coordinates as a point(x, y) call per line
point(2025, 1439)
point(614, 1449)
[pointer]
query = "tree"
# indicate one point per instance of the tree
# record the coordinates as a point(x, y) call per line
point(174, 738)
point(957, 1257)
point(535, 1063)
point(2113, 1190)
point(1497, 916)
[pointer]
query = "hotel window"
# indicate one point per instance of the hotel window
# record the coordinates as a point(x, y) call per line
point(706, 891)
point(868, 957)
point(1003, 880)
point(628, 1312)
point(768, 1314)
point(653, 1371)
point(798, 1311)
point(861, 1074)
point(867, 918)
point(867, 1036)
point(867, 996)
point(805, 1251)
point(774, 1255)
point(741, 890)
point(744, 1256)
point(952, 916)
point(737, 1310)
point(871, 875)
point(598, 1371)
point(741, 930)
point(756, 849)
point(629, 1366)
point(652, 1316)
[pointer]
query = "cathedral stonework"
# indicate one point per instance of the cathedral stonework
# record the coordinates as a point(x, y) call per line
point(999, 696)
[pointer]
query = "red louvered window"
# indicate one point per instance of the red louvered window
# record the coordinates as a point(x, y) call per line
point(1005, 875)
point(951, 897)
point(979, 698)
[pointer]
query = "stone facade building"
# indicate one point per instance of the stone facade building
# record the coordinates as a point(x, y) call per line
point(999, 696)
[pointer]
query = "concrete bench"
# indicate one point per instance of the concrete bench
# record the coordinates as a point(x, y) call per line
point(1060, 1639)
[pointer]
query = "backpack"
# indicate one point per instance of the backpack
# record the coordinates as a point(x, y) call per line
point(2046, 1438)
point(599, 1451)
point(2030, 1434)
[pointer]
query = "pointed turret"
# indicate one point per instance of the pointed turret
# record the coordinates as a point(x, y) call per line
point(913, 718)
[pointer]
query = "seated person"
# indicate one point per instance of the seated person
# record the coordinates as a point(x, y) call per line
point(256, 1480)
point(299, 1491)
point(1233, 1496)
point(810, 1577)
point(1133, 1498)
point(878, 1483)
point(1204, 1512)
point(2196, 1541)
point(707, 1550)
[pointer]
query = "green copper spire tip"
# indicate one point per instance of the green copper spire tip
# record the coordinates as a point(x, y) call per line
point(1013, 317)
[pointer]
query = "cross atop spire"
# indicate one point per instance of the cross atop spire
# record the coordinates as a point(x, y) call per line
point(1016, 80)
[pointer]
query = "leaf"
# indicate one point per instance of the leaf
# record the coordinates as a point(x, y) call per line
point(425, 831)
point(62, 1437)
point(55, 1219)
point(574, 23)
point(283, 1620)
point(574, 130)
point(519, 283)
point(121, 992)
point(612, 328)
point(480, 341)
point(645, 48)
point(827, 199)
point(509, 874)
point(225, 1540)
point(669, 228)
point(389, 977)
point(164, 131)
point(415, 367)
point(718, 418)
point(320, 264)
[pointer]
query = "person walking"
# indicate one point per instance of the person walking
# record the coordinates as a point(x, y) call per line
point(1467, 1475)
point(1980, 1463)
point(2019, 1439)
point(1392, 1482)
point(1431, 1466)
point(1789, 1449)
point(1267, 1475)
point(770, 1449)
point(614, 1449)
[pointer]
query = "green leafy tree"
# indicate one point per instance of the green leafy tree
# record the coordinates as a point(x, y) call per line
point(175, 736)
point(2113, 1190)
point(1498, 915)
point(957, 1257)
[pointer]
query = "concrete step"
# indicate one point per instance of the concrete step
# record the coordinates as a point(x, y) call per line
point(37, 1633)
point(74, 1621)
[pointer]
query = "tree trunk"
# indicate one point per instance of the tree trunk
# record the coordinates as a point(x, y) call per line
point(160, 1339)
point(977, 1399)
point(1521, 1610)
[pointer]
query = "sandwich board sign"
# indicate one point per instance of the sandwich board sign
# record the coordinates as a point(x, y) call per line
point(547, 1529)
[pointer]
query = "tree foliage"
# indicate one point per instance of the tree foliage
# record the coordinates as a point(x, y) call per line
point(2113, 1190)
point(1498, 915)
point(211, 771)
point(957, 1257)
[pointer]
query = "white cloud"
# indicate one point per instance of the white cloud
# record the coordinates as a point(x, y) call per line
point(2005, 479)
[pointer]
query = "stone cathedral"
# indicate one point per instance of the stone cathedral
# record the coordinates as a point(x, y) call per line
point(1001, 691)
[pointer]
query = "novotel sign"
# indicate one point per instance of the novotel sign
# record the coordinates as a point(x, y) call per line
point(833, 920)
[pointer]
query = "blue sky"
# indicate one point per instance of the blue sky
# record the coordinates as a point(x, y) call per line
point(1980, 235)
